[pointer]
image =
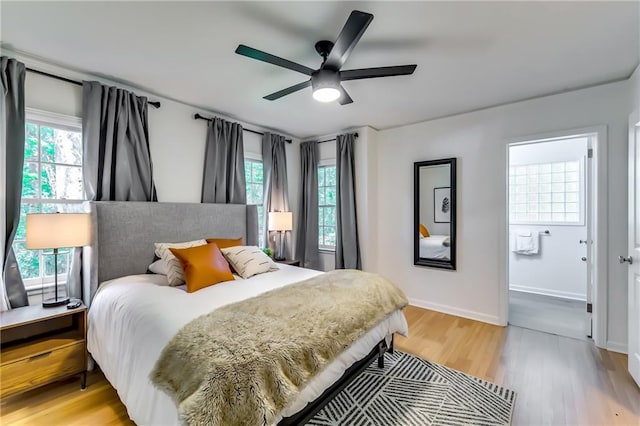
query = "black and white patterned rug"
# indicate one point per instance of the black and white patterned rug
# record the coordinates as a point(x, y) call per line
point(412, 391)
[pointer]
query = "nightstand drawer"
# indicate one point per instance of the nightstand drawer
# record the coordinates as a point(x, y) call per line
point(41, 369)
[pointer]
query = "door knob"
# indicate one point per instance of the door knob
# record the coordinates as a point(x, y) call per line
point(623, 259)
point(584, 259)
point(583, 241)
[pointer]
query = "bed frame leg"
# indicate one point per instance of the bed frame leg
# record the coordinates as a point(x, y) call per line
point(382, 348)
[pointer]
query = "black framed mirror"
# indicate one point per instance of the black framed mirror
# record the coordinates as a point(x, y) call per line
point(434, 204)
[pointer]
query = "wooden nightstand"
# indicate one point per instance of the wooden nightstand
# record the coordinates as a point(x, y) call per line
point(291, 262)
point(41, 345)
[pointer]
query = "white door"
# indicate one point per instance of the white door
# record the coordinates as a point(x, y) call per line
point(633, 257)
point(589, 258)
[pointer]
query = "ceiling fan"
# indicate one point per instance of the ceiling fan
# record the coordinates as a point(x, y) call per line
point(326, 81)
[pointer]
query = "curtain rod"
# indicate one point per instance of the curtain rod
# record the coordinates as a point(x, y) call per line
point(334, 139)
point(78, 83)
point(202, 117)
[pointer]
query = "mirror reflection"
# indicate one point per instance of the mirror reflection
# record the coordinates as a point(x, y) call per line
point(435, 213)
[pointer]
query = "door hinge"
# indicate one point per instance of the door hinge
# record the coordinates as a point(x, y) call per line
point(590, 153)
point(589, 308)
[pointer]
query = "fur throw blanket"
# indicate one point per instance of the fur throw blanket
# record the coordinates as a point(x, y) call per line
point(244, 362)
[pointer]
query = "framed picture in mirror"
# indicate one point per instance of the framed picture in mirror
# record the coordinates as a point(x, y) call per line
point(442, 205)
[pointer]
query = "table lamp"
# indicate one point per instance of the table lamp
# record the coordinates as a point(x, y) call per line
point(54, 231)
point(281, 222)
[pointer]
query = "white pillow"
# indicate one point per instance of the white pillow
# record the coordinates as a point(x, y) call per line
point(158, 267)
point(249, 260)
point(175, 273)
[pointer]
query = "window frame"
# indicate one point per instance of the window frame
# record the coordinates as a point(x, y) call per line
point(323, 247)
point(34, 286)
point(252, 157)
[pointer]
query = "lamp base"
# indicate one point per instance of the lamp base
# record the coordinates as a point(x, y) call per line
point(50, 303)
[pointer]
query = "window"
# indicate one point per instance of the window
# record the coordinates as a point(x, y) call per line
point(546, 193)
point(327, 207)
point(51, 182)
point(254, 177)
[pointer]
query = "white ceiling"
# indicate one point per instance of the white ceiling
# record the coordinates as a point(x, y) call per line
point(469, 54)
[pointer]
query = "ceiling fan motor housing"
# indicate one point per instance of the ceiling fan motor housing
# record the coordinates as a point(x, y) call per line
point(325, 78)
point(323, 47)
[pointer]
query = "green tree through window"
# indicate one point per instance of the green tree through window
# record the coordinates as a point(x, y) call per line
point(254, 177)
point(327, 207)
point(51, 182)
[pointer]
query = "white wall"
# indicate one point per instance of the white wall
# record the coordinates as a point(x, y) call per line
point(478, 140)
point(432, 177)
point(557, 270)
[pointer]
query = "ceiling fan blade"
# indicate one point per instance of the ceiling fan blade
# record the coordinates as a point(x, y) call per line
point(288, 90)
point(377, 72)
point(348, 38)
point(344, 98)
point(259, 55)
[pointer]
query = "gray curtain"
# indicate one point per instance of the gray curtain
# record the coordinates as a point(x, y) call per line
point(116, 156)
point(224, 180)
point(307, 229)
point(276, 192)
point(347, 244)
point(12, 125)
point(115, 135)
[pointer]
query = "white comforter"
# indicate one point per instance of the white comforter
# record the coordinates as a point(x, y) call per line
point(433, 247)
point(132, 318)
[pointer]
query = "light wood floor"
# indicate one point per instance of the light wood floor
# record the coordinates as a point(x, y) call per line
point(559, 380)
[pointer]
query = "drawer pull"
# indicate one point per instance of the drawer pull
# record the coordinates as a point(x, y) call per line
point(39, 356)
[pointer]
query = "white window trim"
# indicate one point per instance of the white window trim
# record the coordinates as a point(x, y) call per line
point(69, 121)
point(253, 156)
point(34, 286)
point(328, 162)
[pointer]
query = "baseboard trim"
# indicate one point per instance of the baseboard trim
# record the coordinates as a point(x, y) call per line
point(452, 310)
point(617, 347)
point(547, 292)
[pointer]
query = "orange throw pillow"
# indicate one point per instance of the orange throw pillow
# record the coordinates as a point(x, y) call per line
point(423, 231)
point(203, 266)
point(223, 243)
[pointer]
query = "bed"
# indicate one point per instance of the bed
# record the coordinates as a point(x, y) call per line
point(132, 318)
point(435, 247)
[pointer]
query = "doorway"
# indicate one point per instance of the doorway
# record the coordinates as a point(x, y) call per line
point(550, 245)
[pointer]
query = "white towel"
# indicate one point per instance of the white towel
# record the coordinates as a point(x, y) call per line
point(525, 242)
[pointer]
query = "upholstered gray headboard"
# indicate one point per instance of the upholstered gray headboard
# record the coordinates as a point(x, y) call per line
point(124, 233)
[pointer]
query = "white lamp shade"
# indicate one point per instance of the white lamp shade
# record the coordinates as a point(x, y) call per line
point(56, 230)
point(280, 221)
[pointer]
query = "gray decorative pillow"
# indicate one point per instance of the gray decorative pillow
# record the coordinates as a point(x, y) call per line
point(249, 260)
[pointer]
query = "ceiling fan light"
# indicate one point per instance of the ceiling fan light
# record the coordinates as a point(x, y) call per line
point(326, 94)
point(325, 85)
